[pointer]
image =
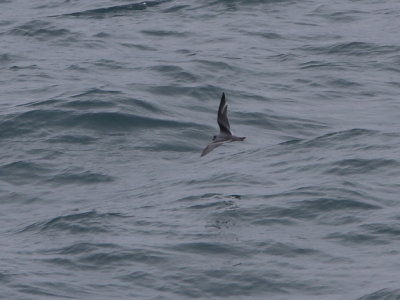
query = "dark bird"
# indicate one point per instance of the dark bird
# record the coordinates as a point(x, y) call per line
point(225, 134)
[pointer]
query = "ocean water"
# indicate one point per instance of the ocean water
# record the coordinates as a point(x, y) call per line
point(105, 107)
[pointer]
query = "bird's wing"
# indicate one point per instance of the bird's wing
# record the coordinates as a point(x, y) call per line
point(223, 116)
point(211, 147)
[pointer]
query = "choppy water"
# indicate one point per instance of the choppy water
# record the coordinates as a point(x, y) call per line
point(106, 105)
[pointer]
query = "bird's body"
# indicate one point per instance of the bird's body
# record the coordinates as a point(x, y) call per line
point(225, 134)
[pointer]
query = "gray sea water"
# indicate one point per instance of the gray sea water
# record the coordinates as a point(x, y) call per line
point(105, 107)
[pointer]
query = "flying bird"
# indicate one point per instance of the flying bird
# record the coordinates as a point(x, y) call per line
point(225, 134)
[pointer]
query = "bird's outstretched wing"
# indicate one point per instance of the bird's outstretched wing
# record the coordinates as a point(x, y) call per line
point(211, 147)
point(223, 116)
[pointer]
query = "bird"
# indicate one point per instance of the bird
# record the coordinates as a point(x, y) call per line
point(225, 134)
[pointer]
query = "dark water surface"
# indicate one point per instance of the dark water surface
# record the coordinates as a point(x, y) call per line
point(105, 107)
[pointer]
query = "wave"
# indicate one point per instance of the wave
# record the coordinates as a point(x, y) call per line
point(209, 248)
point(280, 122)
point(355, 239)
point(382, 294)
point(361, 166)
point(43, 31)
point(287, 250)
point(84, 177)
point(87, 222)
point(334, 138)
point(22, 172)
point(112, 11)
point(56, 119)
point(354, 49)
point(302, 210)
